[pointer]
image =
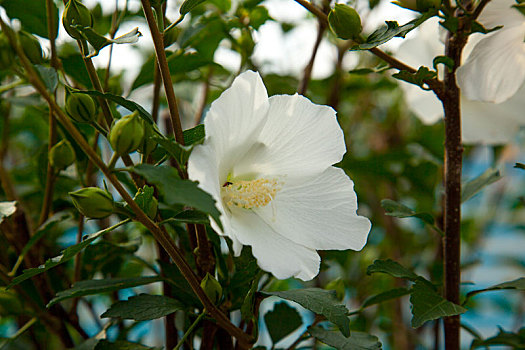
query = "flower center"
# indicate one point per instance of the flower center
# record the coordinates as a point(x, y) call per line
point(250, 194)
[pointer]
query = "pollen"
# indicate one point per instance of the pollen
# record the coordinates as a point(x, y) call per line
point(250, 194)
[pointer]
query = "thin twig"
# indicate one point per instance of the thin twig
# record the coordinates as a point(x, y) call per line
point(321, 28)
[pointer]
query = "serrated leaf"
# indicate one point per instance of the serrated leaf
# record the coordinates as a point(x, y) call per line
point(392, 29)
point(90, 287)
point(428, 305)
point(357, 341)
point(391, 268)
point(7, 209)
point(281, 321)
point(444, 60)
point(385, 296)
point(178, 191)
point(518, 284)
point(472, 187)
point(399, 210)
point(66, 255)
point(144, 198)
point(418, 78)
point(121, 345)
point(322, 302)
point(143, 307)
point(514, 340)
point(194, 135)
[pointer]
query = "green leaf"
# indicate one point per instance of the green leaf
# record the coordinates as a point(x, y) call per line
point(66, 255)
point(189, 5)
point(357, 341)
point(477, 27)
point(128, 104)
point(194, 135)
point(391, 268)
point(177, 151)
point(399, 210)
point(444, 60)
point(91, 287)
point(418, 78)
point(89, 344)
point(32, 14)
point(7, 209)
point(181, 289)
point(393, 29)
point(518, 284)
point(472, 187)
point(99, 41)
point(385, 296)
point(322, 302)
point(143, 307)
point(121, 345)
point(144, 198)
point(428, 305)
point(189, 216)
point(514, 340)
point(49, 76)
point(177, 191)
point(281, 321)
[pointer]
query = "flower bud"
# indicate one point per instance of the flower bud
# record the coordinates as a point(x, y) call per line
point(212, 288)
point(76, 13)
point(61, 155)
point(31, 47)
point(127, 134)
point(80, 107)
point(93, 202)
point(6, 52)
point(344, 21)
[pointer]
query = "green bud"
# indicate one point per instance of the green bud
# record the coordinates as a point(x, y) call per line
point(61, 155)
point(80, 107)
point(76, 13)
point(31, 47)
point(93, 202)
point(419, 5)
point(212, 288)
point(7, 56)
point(344, 21)
point(127, 134)
point(339, 286)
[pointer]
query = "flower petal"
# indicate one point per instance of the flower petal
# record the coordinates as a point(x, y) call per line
point(495, 69)
point(319, 214)
point(234, 119)
point(500, 12)
point(300, 139)
point(274, 253)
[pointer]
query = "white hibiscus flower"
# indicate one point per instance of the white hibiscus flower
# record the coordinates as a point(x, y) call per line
point(482, 122)
point(495, 69)
point(268, 164)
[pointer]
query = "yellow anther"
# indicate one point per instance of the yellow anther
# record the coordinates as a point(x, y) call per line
point(250, 194)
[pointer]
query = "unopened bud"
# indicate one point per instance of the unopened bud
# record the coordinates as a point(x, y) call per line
point(93, 202)
point(80, 107)
point(127, 134)
point(76, 14)
point(6, 52)
point(61, 155)
point(344, 21)
point(212, 288)
point(31, 47)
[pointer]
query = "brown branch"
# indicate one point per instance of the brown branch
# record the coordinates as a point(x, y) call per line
point(158, 42)
point(321, 28)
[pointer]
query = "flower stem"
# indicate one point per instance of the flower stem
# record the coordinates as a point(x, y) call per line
point(158, 42)
point(188, 332)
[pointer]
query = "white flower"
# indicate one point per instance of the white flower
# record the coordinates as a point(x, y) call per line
point(268, 164)
point(482, 122)
point(495, 69)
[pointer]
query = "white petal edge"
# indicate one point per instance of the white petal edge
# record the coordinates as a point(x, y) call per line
point(235, 119)
point(495, 69)
point(300, 138)
point(274, 253)
point(319, 213)
point(500, 12)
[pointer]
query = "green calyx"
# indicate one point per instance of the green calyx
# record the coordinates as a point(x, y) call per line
point(31, 47)
point(212, 288)
point(92, 202)
point(80, 107)
point(61, 155)
point(127, 134)
point(76, 14)
point(345, 21)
